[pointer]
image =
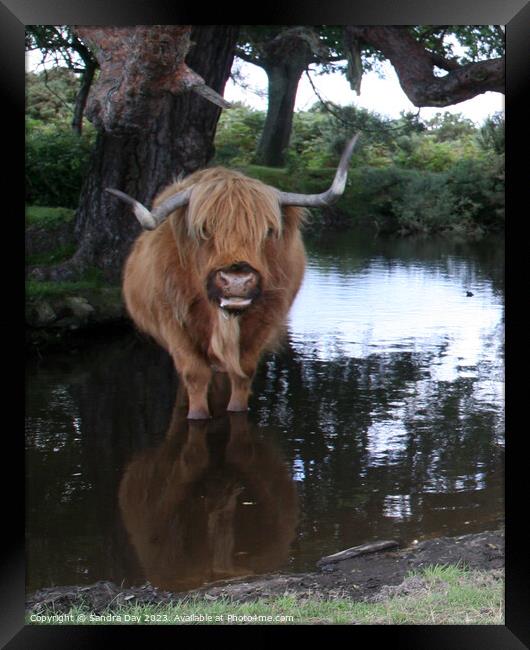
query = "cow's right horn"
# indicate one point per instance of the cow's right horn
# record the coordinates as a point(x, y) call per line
point(329, 196)
point(151, 219)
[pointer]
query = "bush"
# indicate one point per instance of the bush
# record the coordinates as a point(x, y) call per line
point(468, 197)
point(51, 95)
point(427, 204)
point(46, 217)
point(380, 191)
point(56, 163)
point(237, 135)
point(479, 186)
point(491, 135)
point(426, 152)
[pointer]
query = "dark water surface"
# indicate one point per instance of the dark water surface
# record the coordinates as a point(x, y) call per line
point(382, 417)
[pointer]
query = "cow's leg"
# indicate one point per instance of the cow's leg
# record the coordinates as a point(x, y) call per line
point(240, 393)
point(241, 385)
point(249, 361)
point(195, 374)
point(196, 377)
point(194, 371)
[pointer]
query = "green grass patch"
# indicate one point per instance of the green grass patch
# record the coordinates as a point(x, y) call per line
point(92, 279)
point(438, 595)
point(45, 217)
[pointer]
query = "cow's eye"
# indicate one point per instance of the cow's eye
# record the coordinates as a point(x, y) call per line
point(270, 232)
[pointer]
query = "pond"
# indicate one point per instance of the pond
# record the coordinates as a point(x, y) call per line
point(381, 417)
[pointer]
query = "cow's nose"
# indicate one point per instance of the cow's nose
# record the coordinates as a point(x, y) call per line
point(237, 284)
point(234, 287)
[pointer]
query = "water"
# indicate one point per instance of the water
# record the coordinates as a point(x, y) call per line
point(381, 417)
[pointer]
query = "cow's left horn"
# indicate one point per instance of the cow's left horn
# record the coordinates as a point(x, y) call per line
point(335, 191)
point(151, 219)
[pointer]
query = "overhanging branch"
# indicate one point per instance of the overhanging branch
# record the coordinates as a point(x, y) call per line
point(414, 66)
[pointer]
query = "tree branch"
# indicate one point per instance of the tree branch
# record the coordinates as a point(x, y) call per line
point(414, 67)
point(445, 64)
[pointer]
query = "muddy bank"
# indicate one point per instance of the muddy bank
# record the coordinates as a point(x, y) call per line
point(362, 577)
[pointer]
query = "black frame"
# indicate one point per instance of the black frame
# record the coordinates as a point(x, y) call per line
point(515, 14)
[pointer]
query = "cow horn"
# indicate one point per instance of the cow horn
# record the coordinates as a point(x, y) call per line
point(151, 219)
point(335, 191)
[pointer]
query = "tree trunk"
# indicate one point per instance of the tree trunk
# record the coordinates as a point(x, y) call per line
point(82, 96)
point(284, 58)
point(141, 161)
point(283, 84)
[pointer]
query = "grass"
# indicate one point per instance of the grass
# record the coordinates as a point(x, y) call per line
point(440, 595)
point(45, 217)
point(92, 279)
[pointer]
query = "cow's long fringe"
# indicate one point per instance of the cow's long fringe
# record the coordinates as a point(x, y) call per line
point(235, 208)
point(225, 342)
point(235, 212)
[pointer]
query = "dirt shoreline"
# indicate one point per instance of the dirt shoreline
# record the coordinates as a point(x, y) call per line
point(359, 578)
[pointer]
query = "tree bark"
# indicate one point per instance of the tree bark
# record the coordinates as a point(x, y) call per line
point(414, 66)
point(139, 151)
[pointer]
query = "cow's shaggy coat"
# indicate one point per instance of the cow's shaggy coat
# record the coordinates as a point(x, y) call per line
point(230, 219)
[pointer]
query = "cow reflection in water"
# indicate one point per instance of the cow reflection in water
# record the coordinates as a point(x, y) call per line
point(212, 502)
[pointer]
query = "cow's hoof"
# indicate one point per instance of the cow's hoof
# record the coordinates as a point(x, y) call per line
point(198, 415)
point(237, 408)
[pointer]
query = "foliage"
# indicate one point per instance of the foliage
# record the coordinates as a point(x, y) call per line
point(50, 95)
point(320, 136)
point(49, 218)
point(425, 152)
point(477, 42)
point(426, 204)
point(56, 163)
point(491, 135)
point(468, 198)
point(275, 176)
point(237, 135)
point(478, 185)
point(406, 176)
point(450, 126)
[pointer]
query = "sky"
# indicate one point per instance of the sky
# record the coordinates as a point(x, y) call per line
point(383, 96)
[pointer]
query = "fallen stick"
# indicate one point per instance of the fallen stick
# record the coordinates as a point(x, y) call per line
point(364, 549)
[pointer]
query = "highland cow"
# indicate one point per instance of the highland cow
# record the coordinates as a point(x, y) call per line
point(214, 275)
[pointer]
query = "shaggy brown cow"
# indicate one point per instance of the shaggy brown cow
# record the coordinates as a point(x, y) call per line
point(214, 276)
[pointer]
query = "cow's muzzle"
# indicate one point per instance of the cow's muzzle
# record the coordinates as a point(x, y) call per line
point(234, 287)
